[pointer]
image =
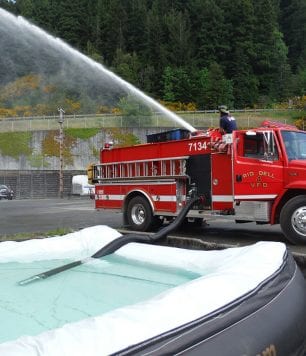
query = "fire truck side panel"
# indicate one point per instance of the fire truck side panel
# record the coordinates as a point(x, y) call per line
point(222, 181)
point(161, 195)
point(185, 147)
point(109, 196)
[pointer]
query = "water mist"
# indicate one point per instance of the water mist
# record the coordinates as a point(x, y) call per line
point(27, 49)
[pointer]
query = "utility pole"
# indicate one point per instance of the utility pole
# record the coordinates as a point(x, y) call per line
point(61, 143)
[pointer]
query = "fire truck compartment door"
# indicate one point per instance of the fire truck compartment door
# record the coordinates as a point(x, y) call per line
point(198, 168)
point(222, 181)
point(257, 168)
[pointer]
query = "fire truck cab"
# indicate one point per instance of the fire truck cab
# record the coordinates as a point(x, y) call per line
point(254, 175)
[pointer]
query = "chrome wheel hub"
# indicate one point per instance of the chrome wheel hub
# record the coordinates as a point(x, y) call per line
point(298, 220)
point(138, 214)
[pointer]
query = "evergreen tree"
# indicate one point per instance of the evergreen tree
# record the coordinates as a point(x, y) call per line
point(8, 5)
point(178, 38)
point(237, 59)
point(293, 26)
point(71, 24)
point(111, 27)
point(245, 83)
point(301, 80)
point(26, 8)
point(202, 85)
point(177, 85)
point(216, 88)
point(136, 23)
point(208, 31)
point(127, 66)
point(155, 53)
point(44, 13)
point(270, 65)
point(282, 75)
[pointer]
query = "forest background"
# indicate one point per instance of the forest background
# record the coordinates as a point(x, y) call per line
point(188, 54)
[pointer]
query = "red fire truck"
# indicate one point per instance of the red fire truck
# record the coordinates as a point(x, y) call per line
point(254, 175)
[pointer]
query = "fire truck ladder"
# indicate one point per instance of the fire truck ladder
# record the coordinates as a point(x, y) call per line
point(141, 169)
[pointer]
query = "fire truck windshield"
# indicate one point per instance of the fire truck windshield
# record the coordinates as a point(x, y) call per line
point(295, 144)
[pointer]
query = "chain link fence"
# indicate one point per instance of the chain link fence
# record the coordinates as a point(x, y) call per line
point(197, 119)
point(28, 184)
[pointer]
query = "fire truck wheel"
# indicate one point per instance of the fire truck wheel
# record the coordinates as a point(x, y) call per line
point(293, 219)
point(139, 214)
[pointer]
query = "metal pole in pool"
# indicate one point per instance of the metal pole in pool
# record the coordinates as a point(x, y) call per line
point(61, 143)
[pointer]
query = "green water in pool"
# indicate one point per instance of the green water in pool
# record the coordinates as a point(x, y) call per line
point(91, 289)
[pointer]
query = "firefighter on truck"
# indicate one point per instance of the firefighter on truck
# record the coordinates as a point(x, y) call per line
point(256, 175)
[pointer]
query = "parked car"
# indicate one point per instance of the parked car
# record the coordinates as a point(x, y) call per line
point(6, 192)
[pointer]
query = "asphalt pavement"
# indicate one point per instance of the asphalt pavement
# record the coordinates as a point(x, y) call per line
point(44, 215)
point(38, 216)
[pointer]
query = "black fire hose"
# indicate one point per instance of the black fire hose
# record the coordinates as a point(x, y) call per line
point(116, 244)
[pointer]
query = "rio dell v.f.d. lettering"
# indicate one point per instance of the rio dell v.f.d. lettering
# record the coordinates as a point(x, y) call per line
point(258, 183)
point(260, 173)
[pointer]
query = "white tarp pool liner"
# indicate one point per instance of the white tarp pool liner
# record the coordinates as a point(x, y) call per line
point(226, 275)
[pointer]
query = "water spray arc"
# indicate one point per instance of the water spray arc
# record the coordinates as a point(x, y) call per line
point(11, 23)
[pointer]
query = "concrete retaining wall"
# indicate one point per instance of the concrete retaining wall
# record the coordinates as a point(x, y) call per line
point(41, 180)
point(82, 152)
